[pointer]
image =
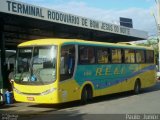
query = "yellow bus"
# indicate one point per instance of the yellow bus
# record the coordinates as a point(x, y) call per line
point(62, 70)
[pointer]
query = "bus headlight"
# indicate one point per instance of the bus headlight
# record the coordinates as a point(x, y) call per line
point(48, 91)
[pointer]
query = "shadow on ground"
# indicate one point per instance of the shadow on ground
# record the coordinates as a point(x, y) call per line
point(98, 99)
point(33, 111)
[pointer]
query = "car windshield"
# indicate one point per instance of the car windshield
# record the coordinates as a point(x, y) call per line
point(36, 65)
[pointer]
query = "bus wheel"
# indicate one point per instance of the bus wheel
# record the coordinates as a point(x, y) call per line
point(86, 94)
point(137, 87)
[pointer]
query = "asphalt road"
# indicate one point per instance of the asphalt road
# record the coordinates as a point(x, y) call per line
point(116, 106)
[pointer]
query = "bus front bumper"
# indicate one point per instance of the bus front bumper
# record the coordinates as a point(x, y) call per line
point(50, 98)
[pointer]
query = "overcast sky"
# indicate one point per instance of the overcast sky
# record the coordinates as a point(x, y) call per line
point(107, 10)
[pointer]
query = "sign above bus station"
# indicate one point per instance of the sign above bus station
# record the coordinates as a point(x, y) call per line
point(28, 10)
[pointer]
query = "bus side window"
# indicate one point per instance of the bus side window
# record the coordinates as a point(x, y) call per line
point(129, 56)
point(86, 55)
point(149, 56)
point(67, 62)
point(103, 55)
point(140, 58)
point(116, 55)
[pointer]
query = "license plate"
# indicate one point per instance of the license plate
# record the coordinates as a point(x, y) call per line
point(30, 98)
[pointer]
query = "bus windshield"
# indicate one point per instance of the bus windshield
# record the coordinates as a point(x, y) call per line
point(36, 65)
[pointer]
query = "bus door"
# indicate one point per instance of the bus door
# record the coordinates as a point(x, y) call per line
point(68, 60)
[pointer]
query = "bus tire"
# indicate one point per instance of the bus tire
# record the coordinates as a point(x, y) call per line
point(137, 87)
point(86, 94)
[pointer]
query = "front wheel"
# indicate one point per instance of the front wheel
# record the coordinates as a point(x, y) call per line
point(86, 95)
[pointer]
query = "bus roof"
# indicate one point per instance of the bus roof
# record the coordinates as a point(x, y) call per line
point(59, 41)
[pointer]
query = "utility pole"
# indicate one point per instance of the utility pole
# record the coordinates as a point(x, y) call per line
point(158, 30)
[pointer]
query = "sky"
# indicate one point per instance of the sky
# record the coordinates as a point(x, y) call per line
point(108, 11)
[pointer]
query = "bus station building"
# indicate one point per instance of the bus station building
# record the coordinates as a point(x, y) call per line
point(20, 22)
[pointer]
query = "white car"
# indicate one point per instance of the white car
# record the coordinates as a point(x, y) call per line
point(158, 75)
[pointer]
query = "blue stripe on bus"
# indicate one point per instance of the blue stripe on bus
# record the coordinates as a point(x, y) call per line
point(103, 81)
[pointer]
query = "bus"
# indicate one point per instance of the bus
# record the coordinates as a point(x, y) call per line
point(51, 71)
